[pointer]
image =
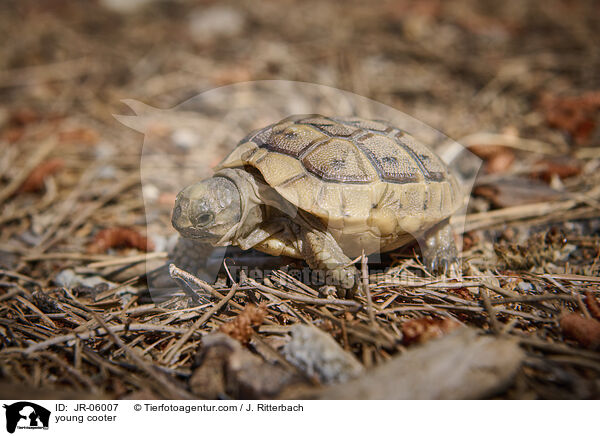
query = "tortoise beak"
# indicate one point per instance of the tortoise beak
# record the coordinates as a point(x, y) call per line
point(180, 221)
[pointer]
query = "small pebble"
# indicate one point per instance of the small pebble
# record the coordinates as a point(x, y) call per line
point(185, 138)
point(215, 22)
point(525, 286)
point(107, 172)
point(151, 192)
point(69, 279)
point(164, 243)
point(125, 6)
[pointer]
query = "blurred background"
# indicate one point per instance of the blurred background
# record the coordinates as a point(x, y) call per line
point(460, 66)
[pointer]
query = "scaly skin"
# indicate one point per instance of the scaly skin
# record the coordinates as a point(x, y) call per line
point(439, 249)
point(322, 252)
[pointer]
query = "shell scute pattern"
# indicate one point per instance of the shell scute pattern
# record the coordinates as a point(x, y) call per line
point(374, 125)
point(339, 160)
point(352, 150)
point(392, 162)
point(259, 137)
point(351, 171)
point(430, 164)
point(332, 127)
point(294, 139)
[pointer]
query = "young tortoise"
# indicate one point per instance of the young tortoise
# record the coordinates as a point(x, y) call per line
point(326, 189)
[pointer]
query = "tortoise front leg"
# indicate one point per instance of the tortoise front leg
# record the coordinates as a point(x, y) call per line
point(322, 252)
point(198, 258)
point(195, 257)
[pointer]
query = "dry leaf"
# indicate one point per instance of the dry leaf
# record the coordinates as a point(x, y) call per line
point(423, 329)
point(83, 135)
point(117, 237)
point(592, 304)
point(469, 240)
point(485, 151)
point(498, 158)
point(23, 116)
point(13, 134)
point(586, 331)
point(563, 168)
point(462, 293)
point(576, 115)
point(500, 163)
point(240, 328)
point(35, 181)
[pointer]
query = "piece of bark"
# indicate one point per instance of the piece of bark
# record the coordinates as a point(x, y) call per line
point(517, 191)
point(319, 355)
point(224, 369)
point(460, 365)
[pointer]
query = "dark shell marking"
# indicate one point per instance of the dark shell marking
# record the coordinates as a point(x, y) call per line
point(352, 150)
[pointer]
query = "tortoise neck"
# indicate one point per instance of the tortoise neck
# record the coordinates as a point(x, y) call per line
point(251, 210)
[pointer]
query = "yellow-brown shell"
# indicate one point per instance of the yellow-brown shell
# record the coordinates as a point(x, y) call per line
point(357, 175)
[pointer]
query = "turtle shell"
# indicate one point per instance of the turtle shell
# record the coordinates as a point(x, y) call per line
point(353, 173)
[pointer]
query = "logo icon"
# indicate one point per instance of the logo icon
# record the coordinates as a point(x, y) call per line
point(26, 415)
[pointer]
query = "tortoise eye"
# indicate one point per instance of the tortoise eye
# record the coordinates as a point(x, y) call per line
point(177, 211)
point(203, 219)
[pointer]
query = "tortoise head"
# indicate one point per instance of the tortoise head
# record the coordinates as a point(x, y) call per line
point(207, 210)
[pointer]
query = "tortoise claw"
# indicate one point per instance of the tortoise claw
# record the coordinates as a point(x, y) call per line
point(342, 282)
point(439, 251)
point(442, 263)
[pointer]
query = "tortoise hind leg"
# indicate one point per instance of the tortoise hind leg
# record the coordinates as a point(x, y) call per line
point(322, 252)
point(439, 249)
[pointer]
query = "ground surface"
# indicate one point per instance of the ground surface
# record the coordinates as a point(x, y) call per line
point(517, 82)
